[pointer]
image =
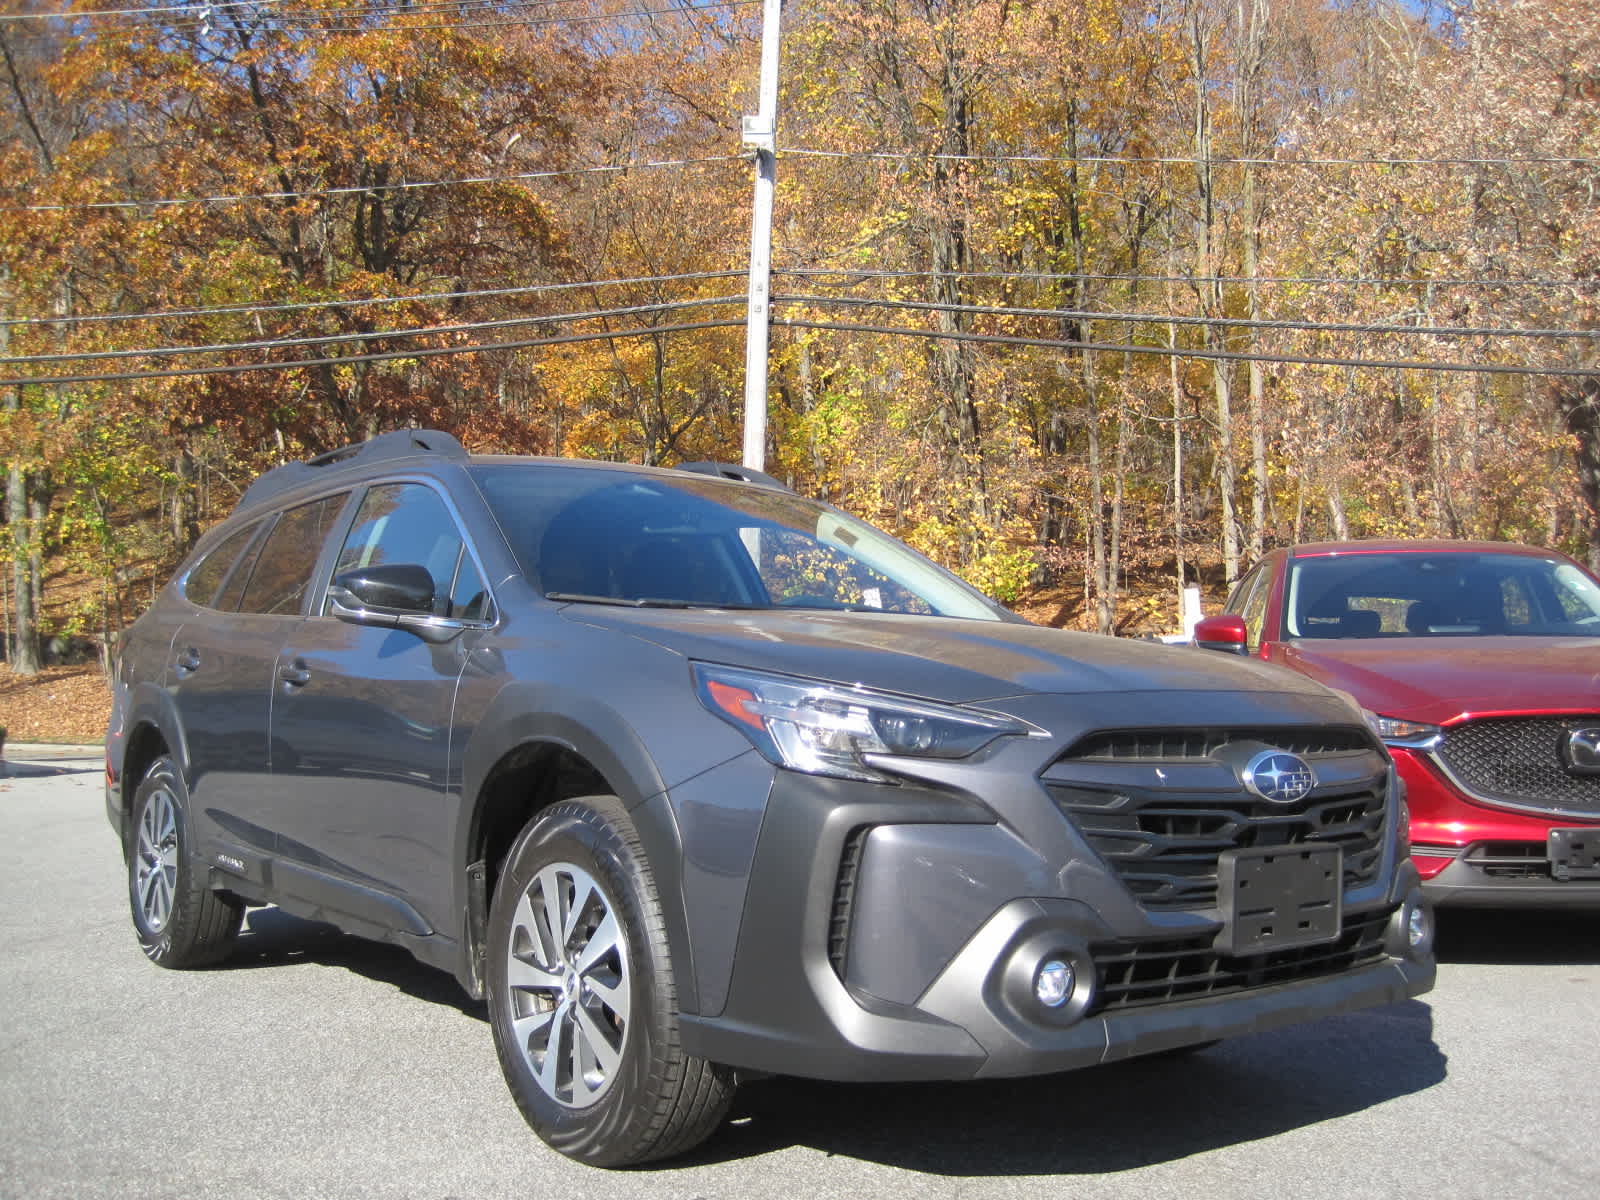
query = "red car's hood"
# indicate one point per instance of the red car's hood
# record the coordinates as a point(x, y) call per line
point(1433, 679)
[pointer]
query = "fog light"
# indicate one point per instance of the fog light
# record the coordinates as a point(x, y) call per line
point(1419, 928)
point(1053, 983)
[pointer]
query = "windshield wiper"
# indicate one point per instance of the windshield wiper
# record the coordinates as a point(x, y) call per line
point(638, 601)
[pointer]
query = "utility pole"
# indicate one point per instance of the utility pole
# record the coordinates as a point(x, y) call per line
point(760, 135)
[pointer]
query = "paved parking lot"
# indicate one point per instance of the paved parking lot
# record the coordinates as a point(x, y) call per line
point(316, 1065)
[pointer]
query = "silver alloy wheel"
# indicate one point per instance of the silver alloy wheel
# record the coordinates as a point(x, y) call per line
point(156, 859)
point(568, 982)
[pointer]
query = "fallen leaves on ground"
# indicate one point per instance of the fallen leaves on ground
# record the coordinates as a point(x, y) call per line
point(60, 704)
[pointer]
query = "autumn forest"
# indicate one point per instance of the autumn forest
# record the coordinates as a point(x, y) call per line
point(1083, 298)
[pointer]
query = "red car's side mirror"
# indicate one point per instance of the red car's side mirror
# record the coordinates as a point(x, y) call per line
point(1224, 632)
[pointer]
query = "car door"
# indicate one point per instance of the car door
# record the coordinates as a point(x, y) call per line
point(361, 725)
point(222, 666)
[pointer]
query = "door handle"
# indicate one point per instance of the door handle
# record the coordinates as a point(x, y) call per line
point(295, 674)
point(188, 661)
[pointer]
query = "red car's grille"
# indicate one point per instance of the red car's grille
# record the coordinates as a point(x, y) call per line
point(1509, 860)
point(1518, 761)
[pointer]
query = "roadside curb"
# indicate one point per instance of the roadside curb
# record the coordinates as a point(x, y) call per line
point(45, 752)
point(36, 760)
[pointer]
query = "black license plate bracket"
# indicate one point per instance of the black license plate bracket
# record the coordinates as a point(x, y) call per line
point(1279, 898)
point(1575, 853)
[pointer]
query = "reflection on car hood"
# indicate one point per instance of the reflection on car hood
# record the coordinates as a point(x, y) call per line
point(941, 658)
point(1436, 678)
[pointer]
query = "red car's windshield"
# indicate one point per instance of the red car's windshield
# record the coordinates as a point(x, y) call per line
point(1439, 595)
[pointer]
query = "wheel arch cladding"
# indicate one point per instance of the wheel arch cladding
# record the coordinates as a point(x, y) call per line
point(524, 758)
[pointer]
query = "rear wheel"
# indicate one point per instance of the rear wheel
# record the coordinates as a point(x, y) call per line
point(181, 922)
point(582, 999)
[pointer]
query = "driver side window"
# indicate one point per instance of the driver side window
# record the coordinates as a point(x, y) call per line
point(1253, 608)
point(408, 523)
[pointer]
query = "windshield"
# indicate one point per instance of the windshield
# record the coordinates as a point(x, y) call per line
point(612, 537)
point(1451, 594)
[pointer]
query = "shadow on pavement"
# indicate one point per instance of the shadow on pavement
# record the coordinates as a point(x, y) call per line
point(273, 938)
point(1527, 937)
point(28, 770)
point(1114, 1118)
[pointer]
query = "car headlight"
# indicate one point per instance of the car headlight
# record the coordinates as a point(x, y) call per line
point(826, 729)
point(1397, 731)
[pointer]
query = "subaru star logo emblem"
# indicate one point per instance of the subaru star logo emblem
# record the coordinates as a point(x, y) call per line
point(1582, 750)
point(1279, 777)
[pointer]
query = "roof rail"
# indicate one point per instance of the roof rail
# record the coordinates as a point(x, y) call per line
point(734, 471)
point(401, 443)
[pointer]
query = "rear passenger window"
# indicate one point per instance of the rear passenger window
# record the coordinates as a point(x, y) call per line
point(206, 576)
point(288, 557)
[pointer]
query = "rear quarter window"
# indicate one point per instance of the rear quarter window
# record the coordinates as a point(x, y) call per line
point(287, 559)
point(200, 585)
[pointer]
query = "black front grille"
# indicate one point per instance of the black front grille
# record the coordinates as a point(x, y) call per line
point(1132, 974)
point(1170, 745)
point(1164, 846)
point(1520, 761)
point(1510, 860)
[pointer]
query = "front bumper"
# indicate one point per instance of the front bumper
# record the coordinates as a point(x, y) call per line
point(1463, 883)
point(918, 941)
point(1475, 855)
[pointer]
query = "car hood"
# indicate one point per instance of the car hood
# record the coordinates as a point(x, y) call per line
point(939, 658)
point(1436, 679)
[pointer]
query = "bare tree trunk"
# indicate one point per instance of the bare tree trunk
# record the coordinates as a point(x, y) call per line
point(24, 646)
point(1341, 522)
point(1252, 33)
point(25, 659)
point(1102, 603)
point(1208, 263)
point(1579, 402)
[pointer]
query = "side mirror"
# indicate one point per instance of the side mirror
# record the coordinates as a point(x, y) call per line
point(406, 587)
point(1225, 632)
point(391, 596)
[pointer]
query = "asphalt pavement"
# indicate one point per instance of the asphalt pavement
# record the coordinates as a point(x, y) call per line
point(317, 1065)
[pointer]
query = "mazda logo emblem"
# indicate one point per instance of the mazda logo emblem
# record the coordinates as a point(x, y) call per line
point(1582, 750)
point(1279, 777)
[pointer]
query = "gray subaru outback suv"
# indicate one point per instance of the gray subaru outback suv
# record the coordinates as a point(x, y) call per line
point(692, 778)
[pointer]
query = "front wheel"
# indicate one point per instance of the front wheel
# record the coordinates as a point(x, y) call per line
point(181, 922)
point(582, 999)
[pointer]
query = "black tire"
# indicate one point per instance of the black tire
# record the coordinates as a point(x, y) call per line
point(181, 922)
point(586, 1023)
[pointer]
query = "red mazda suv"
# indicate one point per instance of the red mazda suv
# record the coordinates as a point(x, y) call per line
point(1479, 666)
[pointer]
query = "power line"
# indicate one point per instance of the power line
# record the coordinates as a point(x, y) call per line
point(1287, 280)
point(196, 16)
point(318, 305)
point(287, 23)
point(1187, 160)
point(377, 189)
point(1181, 352)
point(539, 22)
point(360, 335)
point(198, 7)
point(1300, 325)
point(348, 360)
